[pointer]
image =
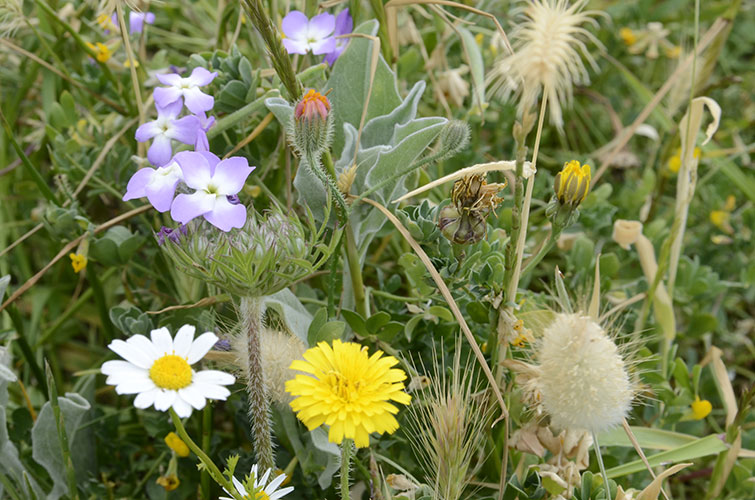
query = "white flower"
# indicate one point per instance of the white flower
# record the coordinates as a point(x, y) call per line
point(260, 491)
point(549, 44)
point(159, 370)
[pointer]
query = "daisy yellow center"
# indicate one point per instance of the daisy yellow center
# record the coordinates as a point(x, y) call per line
point(347, 389)
point(259, 495)
point(171, 372)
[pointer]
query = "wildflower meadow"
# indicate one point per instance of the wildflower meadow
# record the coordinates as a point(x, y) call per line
point(377, 249)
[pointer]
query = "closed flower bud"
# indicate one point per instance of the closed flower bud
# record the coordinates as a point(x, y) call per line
point(572, 184)
point(473, 199)
point(312, 124)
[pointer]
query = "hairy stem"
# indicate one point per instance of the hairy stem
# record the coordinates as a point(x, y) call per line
point(346, 451)
point(259, 408)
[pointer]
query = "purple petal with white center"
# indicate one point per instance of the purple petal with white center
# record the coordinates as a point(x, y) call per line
point(212, 159)
point(201, 77)
point(188, 206)
point(146, 399)
point(183, 341)
point(295, 46)
point(147, 131)
point(192, 396)
point(171, 79)
point(197, 101)
point(164, 96)
point(214, 377)
point(149, 18)
point(200, 347)
point(196, 168)
point(162, 187)
point(131, 354)
point(160, 151)
point(184, 129)
point(294, 25)
point(165, 399)
point(225, 215)
point(321, 26)
point(182, 408)
point(324, 46)
point(137, 184)
point(171, 111)
point(162, 341)
point(230, 175)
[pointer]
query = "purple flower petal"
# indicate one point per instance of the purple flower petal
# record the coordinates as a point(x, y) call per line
point(196, 169)
point(162, 186)
point(147, 131)
point(212, 160)
point(184, 129)
point(188, 206)
point(196, 100)
point(231, 174)
point(225, 216)
point(294, 26)
point(202, 143)
point(137, 184)
point(171, 110)
point(161, 150)
point(321, 26)
point(150, 18)
point(323, 46)
point(295, 46)
point(166, 95)
point(172, 79)
point(136, 22)
point(201, 77)
point(344, 23)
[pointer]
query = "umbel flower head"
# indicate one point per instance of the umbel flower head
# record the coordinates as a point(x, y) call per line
point(158, 370)
point(348, 390)
point(257, 488)
point(581, 377)
point(548, 43)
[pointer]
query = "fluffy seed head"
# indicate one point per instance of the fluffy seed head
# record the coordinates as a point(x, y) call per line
point(549, 44)
point(583, 379)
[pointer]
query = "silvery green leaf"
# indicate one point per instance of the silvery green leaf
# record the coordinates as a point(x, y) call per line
point(320, 440)
point(281, 109)
point(4, 282)
point(474, 58)
point(46, 448)
point(291, 311)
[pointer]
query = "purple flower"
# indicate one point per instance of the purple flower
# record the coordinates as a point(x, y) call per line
point(136, 21)
point(205, 123)
point(165, 128)
point(344, 26)
point(158, 185)
point(172, 234)
point(188, 88)
point(304, 34)
point(213, 181)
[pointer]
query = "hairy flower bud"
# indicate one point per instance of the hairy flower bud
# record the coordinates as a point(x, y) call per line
point(312, 124)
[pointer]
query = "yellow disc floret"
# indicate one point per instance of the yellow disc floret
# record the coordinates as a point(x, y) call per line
point(171, 372)
point(348, 390)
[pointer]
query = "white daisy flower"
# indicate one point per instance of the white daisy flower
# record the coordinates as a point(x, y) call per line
point(260, 491)
point(159, 370)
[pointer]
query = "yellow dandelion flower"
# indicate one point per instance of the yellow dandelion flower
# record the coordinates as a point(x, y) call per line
point(176, 444)
point(348, 390)
point(572, 183)
point(628, 36)
point(101, 51)
point(700, 408)
point(78, 261)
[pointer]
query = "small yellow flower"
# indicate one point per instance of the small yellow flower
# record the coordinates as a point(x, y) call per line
point(573, 183)
point(170, 482)
point(700, 408)
point(675, 162)
point(106, 22)
point(348, 390)
point(102, 52)
point(78, 261)
point(479, 38)
point(628, 36)
point(176, 444)
point(674, 52)
point(719, 218)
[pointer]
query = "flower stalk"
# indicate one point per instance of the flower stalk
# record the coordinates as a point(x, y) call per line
point(346, 452)
point(259, 407)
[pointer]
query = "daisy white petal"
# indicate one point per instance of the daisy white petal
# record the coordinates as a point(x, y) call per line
point(201, 346)
point(183, 342)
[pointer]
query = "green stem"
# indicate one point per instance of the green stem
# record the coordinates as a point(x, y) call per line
point(346, 452)
point(552, 239)
point(206, 461)
point(385, 42)
point(355, 272)
point(600, 464)
point(234, 118)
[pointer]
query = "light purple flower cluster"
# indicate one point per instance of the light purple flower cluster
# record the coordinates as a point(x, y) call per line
point(215, 182)
point(318, 34)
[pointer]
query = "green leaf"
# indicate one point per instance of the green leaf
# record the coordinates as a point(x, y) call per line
point(355, 321)
point(442, 313)
point(328, 332)
point(377, 320)
point(320, 318)
point(290, 310)
point(473, 57)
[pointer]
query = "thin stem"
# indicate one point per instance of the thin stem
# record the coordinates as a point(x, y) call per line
point(544, 249)
point(600, 464)
point(206, 461)
point(355, 272)
point(206, 438)
point(346, 451)
point(514, 283)
point(131, 60)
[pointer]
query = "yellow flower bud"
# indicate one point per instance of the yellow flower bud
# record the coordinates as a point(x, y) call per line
point(176, 444)
point(573, 183)
point(101, 51)
point(700, 408)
